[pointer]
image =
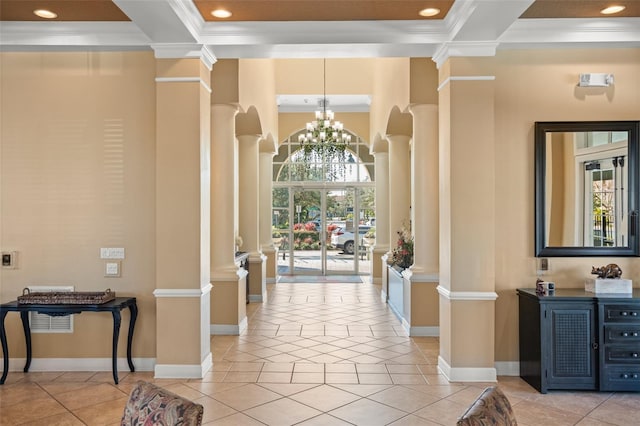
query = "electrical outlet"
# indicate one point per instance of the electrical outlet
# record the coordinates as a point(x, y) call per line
point(544, 264)
point(112, 269)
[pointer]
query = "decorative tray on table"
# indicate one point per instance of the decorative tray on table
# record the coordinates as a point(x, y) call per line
point(66, 297)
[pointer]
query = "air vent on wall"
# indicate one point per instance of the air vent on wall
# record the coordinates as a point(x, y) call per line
point(41, 323)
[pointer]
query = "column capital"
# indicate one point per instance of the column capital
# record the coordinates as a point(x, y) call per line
point(249, 138)
point(394, 139)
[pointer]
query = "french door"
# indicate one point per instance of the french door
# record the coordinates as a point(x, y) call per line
point(321, 231)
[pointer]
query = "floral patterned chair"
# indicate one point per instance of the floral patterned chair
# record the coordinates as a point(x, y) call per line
point(149, 404)
point(491, 408)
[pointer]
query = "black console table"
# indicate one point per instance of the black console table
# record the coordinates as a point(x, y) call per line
point(114, 306)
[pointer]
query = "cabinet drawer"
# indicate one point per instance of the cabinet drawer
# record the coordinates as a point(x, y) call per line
point(622, 354)
point(622, 333)
point(621, 313)
point(620, 378)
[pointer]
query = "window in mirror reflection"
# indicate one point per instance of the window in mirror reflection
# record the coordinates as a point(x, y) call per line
point(586, 178)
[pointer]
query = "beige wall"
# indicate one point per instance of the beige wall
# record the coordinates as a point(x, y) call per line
point(78, 173)
point(541, 85)
point(257, 88)
point(391, 88)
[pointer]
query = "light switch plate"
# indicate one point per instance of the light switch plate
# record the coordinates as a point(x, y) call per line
point(9, 260)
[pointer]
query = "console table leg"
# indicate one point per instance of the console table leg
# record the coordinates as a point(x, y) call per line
point(5, 349)
point(114, 356)
point(24, 316)
point(132, 322)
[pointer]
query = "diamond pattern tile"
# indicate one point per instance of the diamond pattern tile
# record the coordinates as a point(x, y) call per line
point(315, 354)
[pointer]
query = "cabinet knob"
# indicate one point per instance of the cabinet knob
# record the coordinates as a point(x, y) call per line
point(634, 314)
point(624, 313)
point(635, 334)
point(594, 346)
point(634, 355)
point(625, 376)
point(625, 334)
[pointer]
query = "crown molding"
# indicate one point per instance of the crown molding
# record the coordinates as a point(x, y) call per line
point(464, 48)
point(71, 36)
point(185, 50)
point(585, 32)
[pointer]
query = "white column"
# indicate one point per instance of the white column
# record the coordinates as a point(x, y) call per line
point(249, 214)
point(425, 189)
point(223, 218)
point(399, 185)
point(248, 193)
point(381, 160)
point(267, 151)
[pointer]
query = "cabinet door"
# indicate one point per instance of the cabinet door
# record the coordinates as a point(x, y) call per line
point(571, 346)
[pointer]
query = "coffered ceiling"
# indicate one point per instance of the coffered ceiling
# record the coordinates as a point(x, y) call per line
point(317, 28)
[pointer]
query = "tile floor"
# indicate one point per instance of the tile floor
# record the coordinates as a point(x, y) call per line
point(315, 354)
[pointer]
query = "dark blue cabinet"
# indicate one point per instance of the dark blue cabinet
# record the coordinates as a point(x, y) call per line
point(571, 339)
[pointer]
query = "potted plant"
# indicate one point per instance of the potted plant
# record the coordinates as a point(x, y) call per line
point(402, 255)
point(370, 237)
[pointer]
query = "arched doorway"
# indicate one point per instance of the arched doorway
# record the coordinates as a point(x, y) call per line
point(323, 212)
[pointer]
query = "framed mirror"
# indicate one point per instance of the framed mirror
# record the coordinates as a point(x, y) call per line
point(587, 182)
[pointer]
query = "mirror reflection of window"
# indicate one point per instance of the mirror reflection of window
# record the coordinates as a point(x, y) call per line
point(602, 156)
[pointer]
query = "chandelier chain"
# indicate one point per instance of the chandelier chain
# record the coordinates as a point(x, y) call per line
point(324, 136)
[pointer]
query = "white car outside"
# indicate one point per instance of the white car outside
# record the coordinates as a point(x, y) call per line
point(343, 239)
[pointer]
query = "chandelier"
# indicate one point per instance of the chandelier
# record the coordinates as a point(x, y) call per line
point(324, 136)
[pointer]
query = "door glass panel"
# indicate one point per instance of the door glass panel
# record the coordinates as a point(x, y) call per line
point(340, 252)
point(281, 235)
point(306, 232)
point(366, 229)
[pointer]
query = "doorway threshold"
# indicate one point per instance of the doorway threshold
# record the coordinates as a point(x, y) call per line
point(314, 279)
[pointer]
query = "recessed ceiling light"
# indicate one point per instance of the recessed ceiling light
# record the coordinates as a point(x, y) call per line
point(221, 13)
point(612, 9)
point(430, 11)
point(44, 13)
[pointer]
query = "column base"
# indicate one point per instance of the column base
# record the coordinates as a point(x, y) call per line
point(229, 303)
point(228, 329)
point(466, 374)
point(271, 264)
point(378, 264)
point(257, 277)
point(183, 371)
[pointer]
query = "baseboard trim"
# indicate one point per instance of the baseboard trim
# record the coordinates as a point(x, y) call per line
point(207, 364)
point(425, 331)
point(383, 296)
point(466, 374)
point(507, 368)
point(79, 364)
point(228, 329)
point(406, 326)
point(256, 298)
